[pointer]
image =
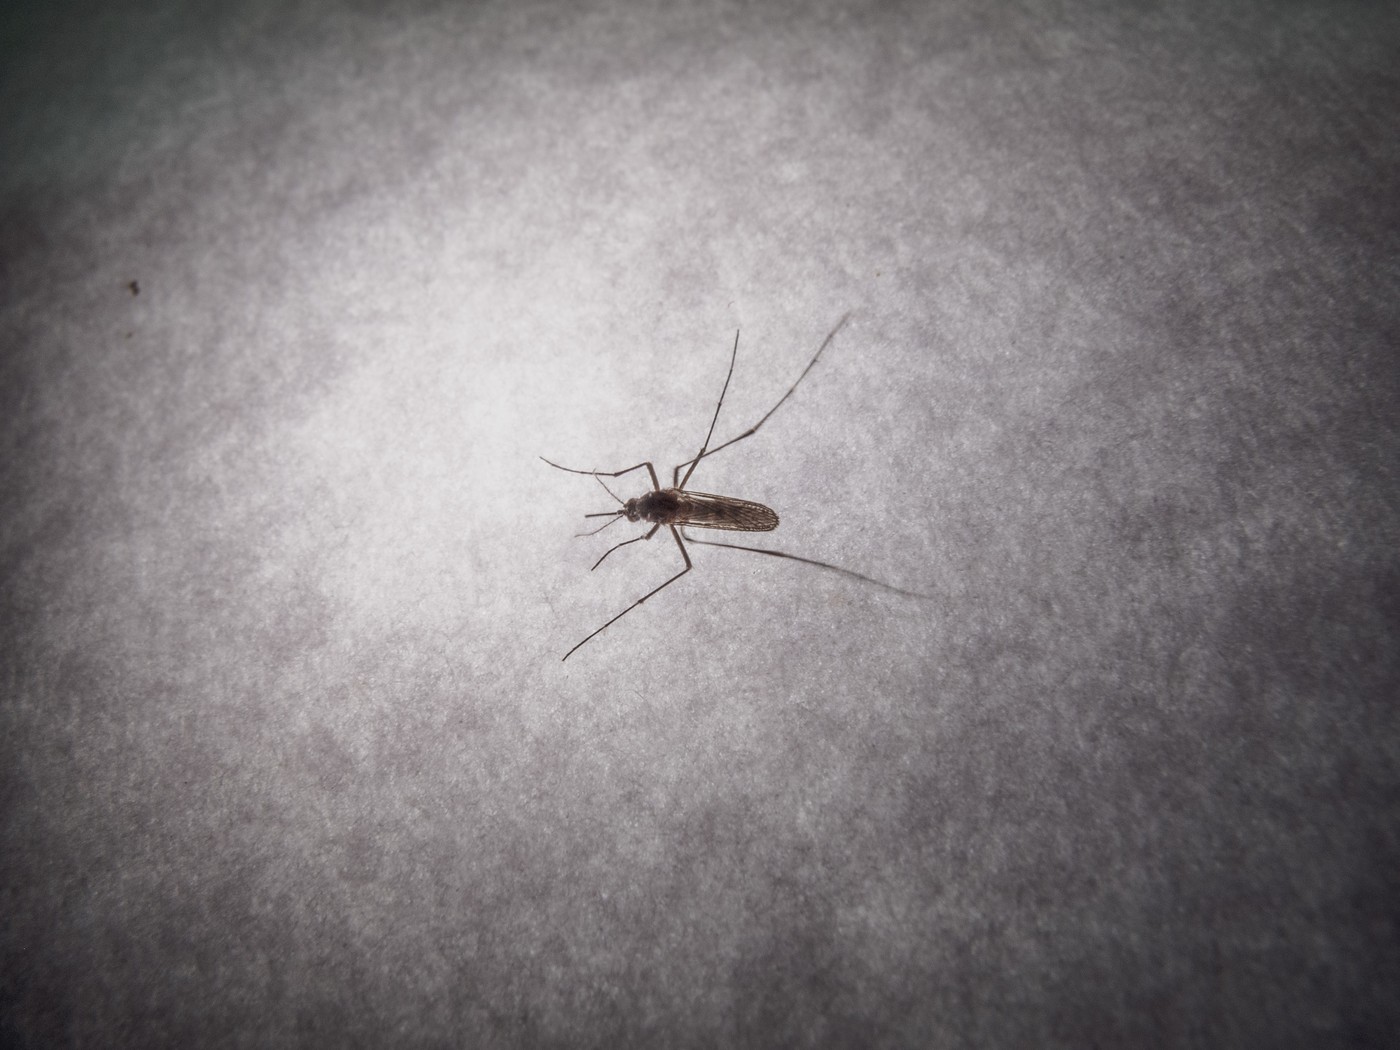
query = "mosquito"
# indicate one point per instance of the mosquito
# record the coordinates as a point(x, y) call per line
point(678, 508)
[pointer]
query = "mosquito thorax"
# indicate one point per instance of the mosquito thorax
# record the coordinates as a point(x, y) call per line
point(659, 507)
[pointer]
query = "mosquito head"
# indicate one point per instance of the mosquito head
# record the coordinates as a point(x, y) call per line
point(633, 512)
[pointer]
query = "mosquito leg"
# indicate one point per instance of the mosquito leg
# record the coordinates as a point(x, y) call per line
point(754, 429)
point(634, 539)
point(644, 597)
point(656, 485)
point(733, 355)
point(819, 564)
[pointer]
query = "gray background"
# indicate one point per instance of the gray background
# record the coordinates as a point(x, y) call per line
point(289, 756)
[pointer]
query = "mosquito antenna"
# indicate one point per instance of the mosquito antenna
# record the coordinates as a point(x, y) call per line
point(612, 516)
point(734, 354)
point(609, 491)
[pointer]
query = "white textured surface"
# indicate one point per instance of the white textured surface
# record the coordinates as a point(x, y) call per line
point(288, 753)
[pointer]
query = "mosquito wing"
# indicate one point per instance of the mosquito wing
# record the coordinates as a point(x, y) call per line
point(706, 511)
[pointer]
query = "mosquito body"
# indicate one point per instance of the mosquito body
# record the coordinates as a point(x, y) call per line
point(704, 510)
point(678, 508)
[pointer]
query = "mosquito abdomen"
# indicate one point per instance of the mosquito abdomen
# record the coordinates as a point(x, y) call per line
point(705, 510)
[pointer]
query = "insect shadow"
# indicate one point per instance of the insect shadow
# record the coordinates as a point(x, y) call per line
point(679, 508)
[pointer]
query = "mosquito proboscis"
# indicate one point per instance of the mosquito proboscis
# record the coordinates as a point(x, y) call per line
point(678, 508)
